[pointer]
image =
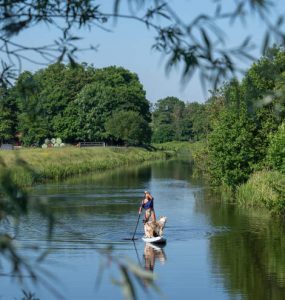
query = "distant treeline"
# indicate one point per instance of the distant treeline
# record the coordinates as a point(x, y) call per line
point(76, 103)
point(82, 103)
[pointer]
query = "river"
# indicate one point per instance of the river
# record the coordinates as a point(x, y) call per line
point(214, 250)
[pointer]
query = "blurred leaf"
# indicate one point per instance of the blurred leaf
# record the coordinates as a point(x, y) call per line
point(128, 288)
point(266, 40)
point(141, 273)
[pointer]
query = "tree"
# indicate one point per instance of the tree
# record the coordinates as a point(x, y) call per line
point(43, 97)
point(168, 122)
point(258, 91)
point(199, 118)
point(262, 77)
point(7, 116)
point(31, 124)
point(129, 127)
point(231, 148)
point(112, 89)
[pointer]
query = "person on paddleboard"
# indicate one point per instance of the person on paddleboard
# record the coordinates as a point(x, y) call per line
point(147, 204)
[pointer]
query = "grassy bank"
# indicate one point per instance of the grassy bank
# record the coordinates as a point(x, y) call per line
point(181, 149)
point(29, 166)
point(264, 189)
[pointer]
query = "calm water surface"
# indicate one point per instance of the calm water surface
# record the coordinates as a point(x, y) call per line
point(213, 251)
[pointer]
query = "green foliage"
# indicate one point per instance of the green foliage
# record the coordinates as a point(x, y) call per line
point(231, 148)
point(278, 97)
point(112, 89)
point(71, 101)
point(43, 97)
point(198, 116)
point(8, 116)
point(129, 127)
point(276, 150)
point(240, 137)
point(169, 122)
point(264, 189)
point(261, 78)
point(162, 134)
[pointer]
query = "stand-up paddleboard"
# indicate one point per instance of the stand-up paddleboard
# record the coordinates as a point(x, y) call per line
point(155, 240)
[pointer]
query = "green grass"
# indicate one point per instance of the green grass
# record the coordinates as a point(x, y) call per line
point(264, 189)
point(29, 166)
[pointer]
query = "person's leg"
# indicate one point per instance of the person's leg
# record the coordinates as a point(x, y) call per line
point(147, 215)
point(153, 217)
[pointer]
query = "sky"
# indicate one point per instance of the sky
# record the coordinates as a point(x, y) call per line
point(129, 45)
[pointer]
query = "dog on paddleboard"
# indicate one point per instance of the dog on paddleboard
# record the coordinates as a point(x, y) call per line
point(154, 228)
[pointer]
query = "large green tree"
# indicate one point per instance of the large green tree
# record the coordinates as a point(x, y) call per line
point(112, 89)
point(43, 97)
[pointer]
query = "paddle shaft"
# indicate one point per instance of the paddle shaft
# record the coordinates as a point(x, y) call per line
point(140, 211)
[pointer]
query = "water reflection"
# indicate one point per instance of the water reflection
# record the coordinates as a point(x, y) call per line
point(151, 254)
point(249, 256)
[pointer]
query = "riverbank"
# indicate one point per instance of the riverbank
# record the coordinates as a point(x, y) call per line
point(30, 166)
point(263, 189)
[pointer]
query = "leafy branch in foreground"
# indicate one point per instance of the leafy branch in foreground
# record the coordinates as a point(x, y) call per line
point(198, 44)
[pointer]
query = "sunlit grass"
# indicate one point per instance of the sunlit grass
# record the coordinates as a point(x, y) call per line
point(264, 189)
point(59, 163)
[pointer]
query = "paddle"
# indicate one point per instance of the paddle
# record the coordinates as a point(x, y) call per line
point(140, 211)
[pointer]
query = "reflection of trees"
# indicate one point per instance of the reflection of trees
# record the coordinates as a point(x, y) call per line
point(123, 176)
point(250, 255)
point(176, 169)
